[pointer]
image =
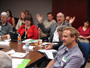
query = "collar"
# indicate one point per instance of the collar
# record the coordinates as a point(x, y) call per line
point(72, 49)
point(4, 25)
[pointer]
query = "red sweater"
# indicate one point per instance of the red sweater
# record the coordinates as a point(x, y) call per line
point(32, 32)
point(84, 33)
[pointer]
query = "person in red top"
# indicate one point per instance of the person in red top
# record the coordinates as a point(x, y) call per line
point(84, 31)
point(10, 19)
point(28, 31)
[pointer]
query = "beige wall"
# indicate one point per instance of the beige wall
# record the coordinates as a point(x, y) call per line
point(34, 6)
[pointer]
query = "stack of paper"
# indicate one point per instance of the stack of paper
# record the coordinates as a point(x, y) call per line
point(46, 43)
point(29, 41)
point(48, 53)
point(4, 43)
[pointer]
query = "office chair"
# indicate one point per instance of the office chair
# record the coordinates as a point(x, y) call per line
point(85, 51)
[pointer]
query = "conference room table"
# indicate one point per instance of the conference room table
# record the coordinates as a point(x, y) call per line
point(35, 56)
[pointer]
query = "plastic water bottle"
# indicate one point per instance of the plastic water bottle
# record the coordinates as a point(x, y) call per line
point(27, 47)
point(19, 39)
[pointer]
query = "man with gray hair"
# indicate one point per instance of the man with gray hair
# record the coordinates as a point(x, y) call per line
point(5, 27)
point(53, 28)
point(5, 60)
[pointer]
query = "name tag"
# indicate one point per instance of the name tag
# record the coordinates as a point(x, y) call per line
point(64, 59)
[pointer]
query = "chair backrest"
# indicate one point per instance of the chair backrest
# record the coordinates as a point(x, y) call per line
point(85, 51)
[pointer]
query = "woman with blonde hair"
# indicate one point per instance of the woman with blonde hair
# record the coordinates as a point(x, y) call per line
point(21, 20)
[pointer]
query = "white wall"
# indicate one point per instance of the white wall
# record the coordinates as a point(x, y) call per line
point(34, 6)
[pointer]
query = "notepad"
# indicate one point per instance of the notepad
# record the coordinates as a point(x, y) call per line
point(50, 54)
point(21, 63)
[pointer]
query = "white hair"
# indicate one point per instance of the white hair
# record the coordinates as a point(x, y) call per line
point(5, 60)
point(61, 13)
point(5, 14)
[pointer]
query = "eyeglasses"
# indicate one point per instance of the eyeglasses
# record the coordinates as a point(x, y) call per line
point(67, 19)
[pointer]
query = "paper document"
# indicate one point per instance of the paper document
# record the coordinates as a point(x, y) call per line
point(29, 41)
point(46, 43)
point(44, 50)
point(18, 54)
point(4, 43)
point(48, 53)
point(11, 52)
point(20, 64)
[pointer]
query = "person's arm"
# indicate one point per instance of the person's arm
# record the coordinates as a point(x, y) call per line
point(88, 37)
point(56, 46)
point(18, 24)
point(13, 22)
point(40, 25)
point(50, 64)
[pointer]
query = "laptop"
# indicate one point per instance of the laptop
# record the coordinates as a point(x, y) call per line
point(13, 36)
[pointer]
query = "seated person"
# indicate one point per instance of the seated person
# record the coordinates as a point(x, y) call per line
point(84, 31)
point(10, 19)
point(56, 46)
point(52, 30)
point(5, 60)
point(46, 23)
point(21, 20)
point(28, 31)
point(5, 27)
point(69, 55)
point(67, 18)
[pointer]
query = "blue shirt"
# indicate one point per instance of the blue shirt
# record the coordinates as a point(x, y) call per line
point(72, 58)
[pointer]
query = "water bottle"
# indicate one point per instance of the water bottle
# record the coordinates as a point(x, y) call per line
point(19, 39)
point(27, 47)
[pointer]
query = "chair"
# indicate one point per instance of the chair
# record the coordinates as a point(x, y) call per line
point(85, 51)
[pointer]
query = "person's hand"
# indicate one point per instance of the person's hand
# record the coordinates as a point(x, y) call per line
point(39, 29)
point(85, 38)
point(39, 18)
point(4, 37)
point(71, 20)
point(48, 47)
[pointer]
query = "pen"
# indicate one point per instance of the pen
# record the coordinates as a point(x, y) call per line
point(10, 54)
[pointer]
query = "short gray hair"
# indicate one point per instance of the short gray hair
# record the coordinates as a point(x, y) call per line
point(5, 14)
point(61, 13)
point(61, 28)
point(5, 60)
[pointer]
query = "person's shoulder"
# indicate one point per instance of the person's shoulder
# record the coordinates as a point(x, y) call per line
point(53, 20)
point(54, 23)
point(8, 24)
point(22, 26)
point(77, 53)
point(65, 23)
point(81, 27)
point(33, 25)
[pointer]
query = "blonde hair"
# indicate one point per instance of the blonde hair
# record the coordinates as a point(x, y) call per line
point(20, 15)
point(73, 32)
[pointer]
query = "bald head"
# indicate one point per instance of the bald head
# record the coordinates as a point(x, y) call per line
point(60, 18)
